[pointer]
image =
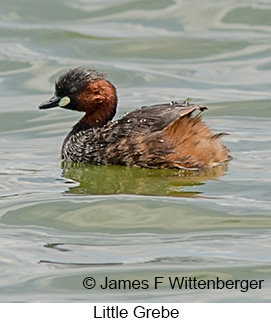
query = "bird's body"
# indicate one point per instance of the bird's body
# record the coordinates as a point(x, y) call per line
point(158, 136)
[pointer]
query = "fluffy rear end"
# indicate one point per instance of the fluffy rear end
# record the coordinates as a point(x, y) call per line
point(193, 144)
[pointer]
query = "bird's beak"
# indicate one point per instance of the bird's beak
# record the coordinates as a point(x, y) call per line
point(51, 103)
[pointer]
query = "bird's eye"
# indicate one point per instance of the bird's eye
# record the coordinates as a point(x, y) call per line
point(59, 90)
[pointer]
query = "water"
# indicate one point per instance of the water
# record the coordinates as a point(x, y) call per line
point(60, 224)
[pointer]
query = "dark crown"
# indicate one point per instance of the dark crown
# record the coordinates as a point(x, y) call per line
point(75, 80)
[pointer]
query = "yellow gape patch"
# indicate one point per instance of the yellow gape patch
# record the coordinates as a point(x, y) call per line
point(64, 101)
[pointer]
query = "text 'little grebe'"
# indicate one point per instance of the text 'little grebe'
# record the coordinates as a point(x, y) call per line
point(157, 136)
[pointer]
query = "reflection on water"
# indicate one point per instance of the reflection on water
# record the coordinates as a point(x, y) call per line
point(102, 180)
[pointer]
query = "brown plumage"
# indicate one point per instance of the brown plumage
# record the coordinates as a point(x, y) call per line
point(158, 136)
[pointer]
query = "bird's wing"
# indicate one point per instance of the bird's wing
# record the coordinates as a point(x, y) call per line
point(157, 117)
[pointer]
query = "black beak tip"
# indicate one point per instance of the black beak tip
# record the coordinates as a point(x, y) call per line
point(51, 103)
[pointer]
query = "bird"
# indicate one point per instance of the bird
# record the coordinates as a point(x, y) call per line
point(167, 135)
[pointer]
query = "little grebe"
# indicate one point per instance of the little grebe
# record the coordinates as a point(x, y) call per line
point(157, 136)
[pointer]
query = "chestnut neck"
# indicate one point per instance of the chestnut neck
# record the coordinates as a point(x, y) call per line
point(99, 102)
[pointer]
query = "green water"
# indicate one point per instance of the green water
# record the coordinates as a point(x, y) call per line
point(60, 223)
